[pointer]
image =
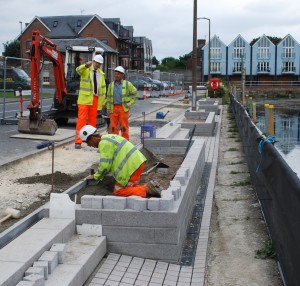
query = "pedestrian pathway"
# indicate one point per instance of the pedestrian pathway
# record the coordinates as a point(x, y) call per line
point(123, 270)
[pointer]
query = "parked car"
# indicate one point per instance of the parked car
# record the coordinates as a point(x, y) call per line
point(140, 84)
point(15, 78)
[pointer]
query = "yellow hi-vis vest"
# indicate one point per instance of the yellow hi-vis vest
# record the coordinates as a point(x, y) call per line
point(86, 89)
point(118, 157)
point(129, 94)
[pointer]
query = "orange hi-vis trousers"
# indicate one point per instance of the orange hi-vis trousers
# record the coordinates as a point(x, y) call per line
point(87, 114)
point(119, 117)
point(132, 188)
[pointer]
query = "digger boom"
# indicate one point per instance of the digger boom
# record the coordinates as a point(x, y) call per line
point(41, 48)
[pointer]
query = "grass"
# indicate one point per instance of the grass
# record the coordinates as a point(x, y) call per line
point(235, 172)
point(266, 252)
point(233, 149)
point(242, 183)
point(236, 163)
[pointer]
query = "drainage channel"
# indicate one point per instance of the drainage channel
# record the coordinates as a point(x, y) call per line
point(189, 245)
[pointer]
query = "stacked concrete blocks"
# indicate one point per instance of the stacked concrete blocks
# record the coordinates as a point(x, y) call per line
point(20, 254)
point(152, 228)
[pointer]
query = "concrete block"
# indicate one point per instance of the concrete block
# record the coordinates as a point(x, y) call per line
point(52, 258)
point(153, 204)
point(176, 192)
point(88, 216)
point(164, 252)
point(43, 265)
point(60, 248)
point(34, 270)
point(129, 234)
point(167, 235)
point(97, 202)
point(37, 279)
point(166, 204)
point(114, 203)
point(83, 254)
point(86, 201)
point(130, 201)
point(61, 206)
point(26, 283)
point(143, 219)
point(140, 204)
point(89, 229)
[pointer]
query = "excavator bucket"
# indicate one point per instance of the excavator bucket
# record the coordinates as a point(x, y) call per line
point(42, 127)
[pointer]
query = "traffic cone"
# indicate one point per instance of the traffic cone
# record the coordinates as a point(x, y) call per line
point(144, 94)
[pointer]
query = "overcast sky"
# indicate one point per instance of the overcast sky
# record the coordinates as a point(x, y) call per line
point(167, 23)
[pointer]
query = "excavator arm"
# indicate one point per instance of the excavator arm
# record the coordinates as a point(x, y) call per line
point(41, 48)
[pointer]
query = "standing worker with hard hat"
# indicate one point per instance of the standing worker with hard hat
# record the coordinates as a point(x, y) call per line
point(123, 160)
point(91, 94)
point(121, 94)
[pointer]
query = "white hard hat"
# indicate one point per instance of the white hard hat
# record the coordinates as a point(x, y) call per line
point(98, 59)
point(120, 69)
point(87, 131)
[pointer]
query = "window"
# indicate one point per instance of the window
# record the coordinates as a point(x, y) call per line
point(263, 67)
point(104, 41)
point(28, 43)
point(215, 53)
point(238, 53)
point(55, 24)
point(46, 78)
point(263, 53)
point(237, 67)
point(79, 22)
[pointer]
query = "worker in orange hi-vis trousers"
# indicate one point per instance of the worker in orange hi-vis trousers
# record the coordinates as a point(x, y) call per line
point(121, 94)
point(123, 160)
point(91, 95)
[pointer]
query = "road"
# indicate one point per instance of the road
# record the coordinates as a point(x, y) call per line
point(14, 148)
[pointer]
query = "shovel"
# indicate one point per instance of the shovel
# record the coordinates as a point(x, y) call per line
point(156, 165)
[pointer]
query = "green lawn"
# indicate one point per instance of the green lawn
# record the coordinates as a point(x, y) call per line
point(11, 94)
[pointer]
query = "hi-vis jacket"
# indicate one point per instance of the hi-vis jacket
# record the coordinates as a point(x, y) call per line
point(118, 157)
point(86, 90)
point(129, 94)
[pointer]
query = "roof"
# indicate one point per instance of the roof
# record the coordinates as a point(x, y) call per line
point(62, 44)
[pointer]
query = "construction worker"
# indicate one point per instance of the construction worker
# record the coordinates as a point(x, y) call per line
point(123, 160)
point(121, 94)
point(91, 94)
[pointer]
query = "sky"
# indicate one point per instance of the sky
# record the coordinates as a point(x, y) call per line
point(167, 23)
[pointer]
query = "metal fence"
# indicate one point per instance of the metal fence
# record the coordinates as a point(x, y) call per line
point(278, 190)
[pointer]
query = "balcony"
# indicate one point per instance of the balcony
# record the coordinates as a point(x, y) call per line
point(263, 70)
point(263, 56)
point(237, 70)
point(289, 70)
point(288, 55)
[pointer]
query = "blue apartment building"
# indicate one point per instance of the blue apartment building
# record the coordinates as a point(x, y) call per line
point(262, 61)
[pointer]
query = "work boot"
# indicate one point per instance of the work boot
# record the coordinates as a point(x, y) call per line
point(152, 191)
point(77, 146)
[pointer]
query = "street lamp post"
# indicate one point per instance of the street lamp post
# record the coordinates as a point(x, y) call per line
point(21, 54)
point(194, 58)
point(208, 75)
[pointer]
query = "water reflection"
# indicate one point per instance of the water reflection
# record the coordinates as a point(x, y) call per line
point(287, 131)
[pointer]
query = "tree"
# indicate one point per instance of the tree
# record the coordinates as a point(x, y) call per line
point(274, 40)
point(155, 61)
point(12, 49)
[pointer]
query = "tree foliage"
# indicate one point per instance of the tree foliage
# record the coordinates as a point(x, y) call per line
point(171, 63)
point(12, 49)
point(155, 61)
point(274, 40)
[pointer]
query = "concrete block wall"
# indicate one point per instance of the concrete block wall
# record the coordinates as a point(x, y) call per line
point(151, 228)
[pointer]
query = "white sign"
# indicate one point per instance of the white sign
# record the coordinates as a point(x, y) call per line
point(24, 92)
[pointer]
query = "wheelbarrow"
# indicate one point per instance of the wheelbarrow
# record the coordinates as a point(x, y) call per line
point(161, 115)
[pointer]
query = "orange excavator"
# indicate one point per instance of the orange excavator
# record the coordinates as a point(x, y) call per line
point(40, 49)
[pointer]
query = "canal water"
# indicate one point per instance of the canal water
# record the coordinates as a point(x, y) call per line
point(287, 129)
